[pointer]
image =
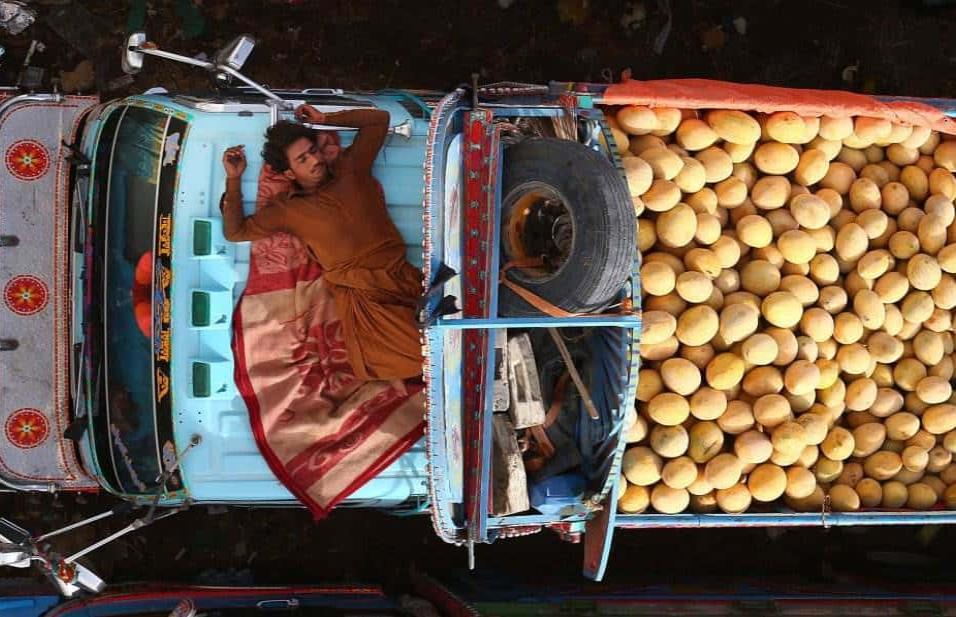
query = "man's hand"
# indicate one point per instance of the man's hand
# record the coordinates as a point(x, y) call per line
point(234, 161)
point(307, 113)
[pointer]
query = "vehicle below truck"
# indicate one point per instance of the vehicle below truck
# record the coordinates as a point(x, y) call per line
point(454, 594)
point(171, 600)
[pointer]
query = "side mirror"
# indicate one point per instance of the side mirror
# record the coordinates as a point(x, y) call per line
point(18, 550)
point(73, 578)
point(132, 58)
point(235, 54)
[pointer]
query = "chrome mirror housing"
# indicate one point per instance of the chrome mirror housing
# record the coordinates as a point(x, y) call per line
point(133, 58)
point(235, 54)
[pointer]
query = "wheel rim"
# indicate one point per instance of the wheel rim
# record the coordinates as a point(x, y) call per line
point(539, 226)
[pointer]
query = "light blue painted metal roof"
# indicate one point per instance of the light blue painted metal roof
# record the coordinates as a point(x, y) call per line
point(227, 466)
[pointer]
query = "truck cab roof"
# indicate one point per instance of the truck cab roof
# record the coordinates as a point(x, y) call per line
point(208, 275)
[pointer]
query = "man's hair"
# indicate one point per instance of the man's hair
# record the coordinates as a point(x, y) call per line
point(280, 136)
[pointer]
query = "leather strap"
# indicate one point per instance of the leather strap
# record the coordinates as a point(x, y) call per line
point(627, 306)
point(557, 400)
point(545, 450)
point(536, 301)
point(528, 296)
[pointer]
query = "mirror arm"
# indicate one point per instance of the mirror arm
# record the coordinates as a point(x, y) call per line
point(214, 67)
point(86, 521)
point(262, 90)
point(137, 524)
point(159, 53)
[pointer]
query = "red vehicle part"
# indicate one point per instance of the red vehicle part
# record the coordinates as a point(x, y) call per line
point(480, 147)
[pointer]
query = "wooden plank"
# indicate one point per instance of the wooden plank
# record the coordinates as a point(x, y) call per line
point(509, 482)
point(527, 403)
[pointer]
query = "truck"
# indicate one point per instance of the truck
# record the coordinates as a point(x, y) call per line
point(120, 291)
point(511, 198)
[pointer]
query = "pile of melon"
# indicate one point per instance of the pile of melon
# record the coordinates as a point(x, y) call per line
point(798, 284)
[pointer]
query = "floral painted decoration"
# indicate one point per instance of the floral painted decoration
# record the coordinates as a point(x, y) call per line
point(25, 295)
point(27, 159)
point(27, 428)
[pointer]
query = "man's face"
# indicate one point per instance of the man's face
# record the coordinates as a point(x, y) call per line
point(306, 163)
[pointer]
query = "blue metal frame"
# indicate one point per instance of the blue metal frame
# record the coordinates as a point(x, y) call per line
point(408, 96)
point(445, 521)
point(947, 106)
point(785, 519)
point(587, 321)
point(630, 393)
point(27, 606)
point(522, 520)
point(525, 111)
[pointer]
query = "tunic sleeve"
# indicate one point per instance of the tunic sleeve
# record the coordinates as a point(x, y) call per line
point(373, 128)
point(238, 227)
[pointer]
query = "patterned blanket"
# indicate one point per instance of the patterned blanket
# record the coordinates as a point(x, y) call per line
point(323, 432)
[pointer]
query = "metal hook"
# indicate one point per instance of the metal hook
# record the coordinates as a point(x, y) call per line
point(404, 129)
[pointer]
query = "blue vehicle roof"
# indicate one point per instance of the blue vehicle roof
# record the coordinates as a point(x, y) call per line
point(227, 465)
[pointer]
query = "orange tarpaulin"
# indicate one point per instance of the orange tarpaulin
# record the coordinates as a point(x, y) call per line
point(711, 94)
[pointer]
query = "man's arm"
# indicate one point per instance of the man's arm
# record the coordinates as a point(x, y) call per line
point(236, 226)
point(372, 125)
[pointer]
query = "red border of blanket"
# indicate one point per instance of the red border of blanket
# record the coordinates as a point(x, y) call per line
point(244, 385)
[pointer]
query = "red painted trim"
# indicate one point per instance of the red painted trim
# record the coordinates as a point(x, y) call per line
point(478, 203)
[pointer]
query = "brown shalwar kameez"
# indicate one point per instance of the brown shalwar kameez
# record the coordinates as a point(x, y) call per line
point(346, 226)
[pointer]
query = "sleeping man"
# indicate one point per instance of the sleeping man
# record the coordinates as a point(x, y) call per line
point(337, 210)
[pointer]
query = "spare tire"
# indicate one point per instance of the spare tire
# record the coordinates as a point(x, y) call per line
point(567, 205)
